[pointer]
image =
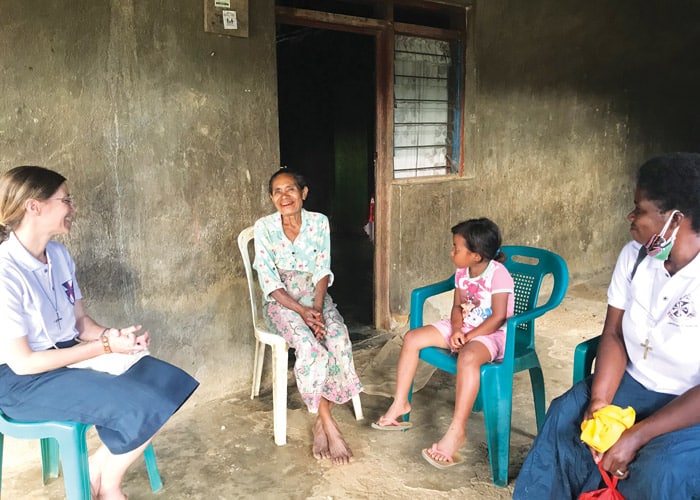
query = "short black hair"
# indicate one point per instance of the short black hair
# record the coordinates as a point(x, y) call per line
point(482, 236)
point(299, 179)
point(672, 181)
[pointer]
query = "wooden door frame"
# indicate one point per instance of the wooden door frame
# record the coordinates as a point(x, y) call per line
point(383, 30)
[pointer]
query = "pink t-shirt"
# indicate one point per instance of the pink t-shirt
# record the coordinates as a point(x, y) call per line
point(475, 293)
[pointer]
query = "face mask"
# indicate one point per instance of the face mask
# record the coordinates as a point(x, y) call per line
point(657, 246)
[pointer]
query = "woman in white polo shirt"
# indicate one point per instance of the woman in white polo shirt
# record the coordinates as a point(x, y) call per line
point(648, 357)
point(44, 329)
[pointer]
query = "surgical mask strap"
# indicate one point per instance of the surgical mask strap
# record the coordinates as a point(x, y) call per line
point(657, 242)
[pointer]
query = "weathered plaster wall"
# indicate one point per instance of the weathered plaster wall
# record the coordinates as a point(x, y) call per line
point(566, 100)
point(167, 135)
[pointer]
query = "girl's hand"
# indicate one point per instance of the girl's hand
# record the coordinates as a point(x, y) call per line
point(457, 340)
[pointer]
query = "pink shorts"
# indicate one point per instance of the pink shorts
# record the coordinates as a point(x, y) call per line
point(495, 342)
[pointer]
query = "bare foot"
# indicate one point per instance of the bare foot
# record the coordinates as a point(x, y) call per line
point(340, 452)
point(394, 413)
point(320, 446)
point(94, 486)
point(448, 446)
point(95, 468)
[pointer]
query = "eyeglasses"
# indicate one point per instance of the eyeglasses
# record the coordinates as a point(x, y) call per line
point(68, 200)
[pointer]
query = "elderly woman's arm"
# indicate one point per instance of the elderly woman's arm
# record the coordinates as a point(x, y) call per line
point(311, 317)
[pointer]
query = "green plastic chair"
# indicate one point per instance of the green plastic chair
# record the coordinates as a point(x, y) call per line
point(584, 354)
point(68, 438)
point(528, 266)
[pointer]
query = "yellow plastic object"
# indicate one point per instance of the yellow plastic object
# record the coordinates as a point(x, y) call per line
point(604, 429)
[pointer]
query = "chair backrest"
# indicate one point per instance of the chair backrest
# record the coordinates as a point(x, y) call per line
point(244, 239)
point(529, 267)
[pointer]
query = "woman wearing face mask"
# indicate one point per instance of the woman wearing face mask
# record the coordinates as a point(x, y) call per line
point(648, 357)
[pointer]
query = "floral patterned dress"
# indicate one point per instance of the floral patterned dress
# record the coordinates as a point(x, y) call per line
point(323, 368)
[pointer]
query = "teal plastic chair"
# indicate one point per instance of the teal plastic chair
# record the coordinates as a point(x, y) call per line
point(69, 439)
point(528, 266)
point(584, 354)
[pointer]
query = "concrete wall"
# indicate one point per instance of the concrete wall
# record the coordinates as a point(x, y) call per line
point(566, 99)
point(167, 135)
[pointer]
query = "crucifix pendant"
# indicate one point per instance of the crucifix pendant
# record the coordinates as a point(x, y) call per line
point(647, 347)
point(58, 321)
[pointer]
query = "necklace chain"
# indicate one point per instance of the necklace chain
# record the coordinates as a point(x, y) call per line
point(54, 303)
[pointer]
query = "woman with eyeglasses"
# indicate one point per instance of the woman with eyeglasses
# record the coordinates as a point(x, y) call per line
point(44, 329)
point(293, 261)
point(648, 359)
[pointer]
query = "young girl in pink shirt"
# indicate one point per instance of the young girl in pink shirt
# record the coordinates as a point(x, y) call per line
point(475, 333)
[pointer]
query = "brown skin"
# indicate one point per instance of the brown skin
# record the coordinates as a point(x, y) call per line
point(471, 357)
point(289, 200)
point(684, 411)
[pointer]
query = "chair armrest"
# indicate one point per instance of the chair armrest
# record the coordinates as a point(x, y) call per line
point(584, 354)
point(420, 295)
point(511, 326)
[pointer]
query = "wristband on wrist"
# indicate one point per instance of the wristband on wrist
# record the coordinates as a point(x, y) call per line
point(105, 341)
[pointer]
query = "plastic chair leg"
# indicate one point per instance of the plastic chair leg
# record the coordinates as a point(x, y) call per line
point(149, 456)
point(49, 459)
point(497, 420)
point(76, 474)
point(357, 407)
point(2, 447)
point(537, 382)
point(257, 368)
point(279, 395)
point(497, 416)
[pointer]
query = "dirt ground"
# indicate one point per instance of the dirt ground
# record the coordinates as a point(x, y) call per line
point(223, 449)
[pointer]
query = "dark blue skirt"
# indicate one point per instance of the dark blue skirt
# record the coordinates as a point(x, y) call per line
point(126, 410)
point(560, 466)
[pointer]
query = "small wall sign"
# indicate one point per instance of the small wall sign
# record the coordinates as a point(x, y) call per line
point(226, 17)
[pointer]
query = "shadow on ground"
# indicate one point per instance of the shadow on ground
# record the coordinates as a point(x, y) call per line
point(223, 449)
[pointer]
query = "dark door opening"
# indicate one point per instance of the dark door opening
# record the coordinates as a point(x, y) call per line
point(326, 92)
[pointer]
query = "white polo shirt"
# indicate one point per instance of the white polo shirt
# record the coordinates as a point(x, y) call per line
point(34, 295)
point(618, 293)
point(661, 323)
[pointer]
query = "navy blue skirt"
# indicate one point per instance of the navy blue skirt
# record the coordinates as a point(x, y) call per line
point(126, 410)
point(560, 466)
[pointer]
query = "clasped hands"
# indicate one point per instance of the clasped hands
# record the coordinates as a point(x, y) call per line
point(458, 339)
point(314, 320)
point(128, 340)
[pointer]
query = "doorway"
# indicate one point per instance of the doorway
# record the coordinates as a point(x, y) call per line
point(326, 93)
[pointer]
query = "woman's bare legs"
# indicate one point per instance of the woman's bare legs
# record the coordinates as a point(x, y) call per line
point(469, 362)
point(413, 342)
point(328, 440)
point(107, 471)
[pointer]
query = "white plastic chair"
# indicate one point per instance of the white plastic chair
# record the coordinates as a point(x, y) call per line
point(279, 351)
